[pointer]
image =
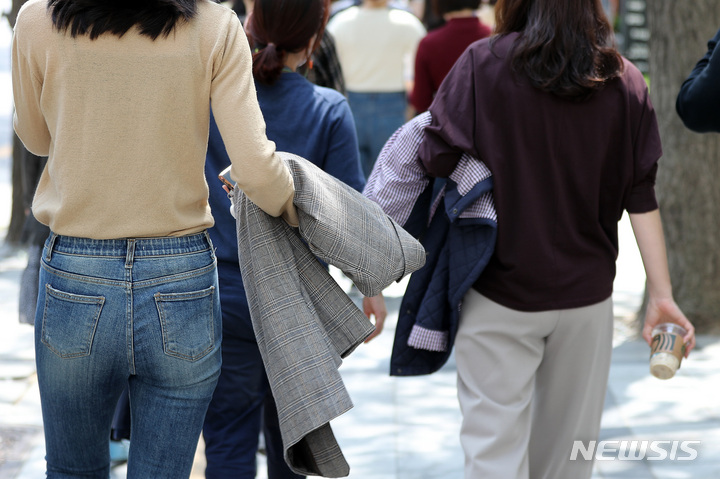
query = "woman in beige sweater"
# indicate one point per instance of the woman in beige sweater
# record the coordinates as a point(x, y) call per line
point(117, 94)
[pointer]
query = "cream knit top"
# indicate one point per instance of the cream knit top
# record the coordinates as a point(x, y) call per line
point(124, 122)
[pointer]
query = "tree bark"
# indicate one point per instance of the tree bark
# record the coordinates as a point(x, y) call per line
point(14, 9)
point(17, 212)
point(687, 187)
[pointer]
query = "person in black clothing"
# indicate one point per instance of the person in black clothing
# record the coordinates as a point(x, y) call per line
point(698, 102)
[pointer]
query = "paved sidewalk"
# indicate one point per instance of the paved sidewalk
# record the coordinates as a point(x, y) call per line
point(407, 428)
point(682, 411)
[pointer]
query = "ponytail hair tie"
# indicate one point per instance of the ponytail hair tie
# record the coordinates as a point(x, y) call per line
point(268, 45)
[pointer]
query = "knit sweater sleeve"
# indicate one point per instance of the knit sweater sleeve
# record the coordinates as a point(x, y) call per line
point(343, 156)
point(28, 120)
point(422, 93)
point(256, 168)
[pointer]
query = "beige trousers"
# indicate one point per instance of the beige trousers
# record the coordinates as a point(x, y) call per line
point(529, 385)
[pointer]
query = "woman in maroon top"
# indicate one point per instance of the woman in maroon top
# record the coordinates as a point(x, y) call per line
point(441, 47)
point(567, 128)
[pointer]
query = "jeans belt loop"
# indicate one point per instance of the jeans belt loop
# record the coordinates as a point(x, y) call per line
point(130, 255)
point(50, 246)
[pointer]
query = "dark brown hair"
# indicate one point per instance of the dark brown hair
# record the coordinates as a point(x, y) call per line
point(566, 47)
point(95, 17)
point(278, 27)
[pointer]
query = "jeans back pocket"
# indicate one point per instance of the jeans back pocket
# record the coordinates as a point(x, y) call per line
point(69, 322)
point(187, 323)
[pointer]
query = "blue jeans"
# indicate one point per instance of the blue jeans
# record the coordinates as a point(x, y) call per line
point(242, 404)
point(138, 312)
point(377, 116)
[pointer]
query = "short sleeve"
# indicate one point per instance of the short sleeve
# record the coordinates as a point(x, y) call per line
point(647, 150)
point(452, 131)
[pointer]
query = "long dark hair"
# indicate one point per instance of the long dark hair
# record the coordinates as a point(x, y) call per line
point(566, 47)
point(278, 27)
point(95, 17)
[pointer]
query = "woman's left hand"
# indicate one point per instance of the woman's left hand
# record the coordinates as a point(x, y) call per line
point(375, 306)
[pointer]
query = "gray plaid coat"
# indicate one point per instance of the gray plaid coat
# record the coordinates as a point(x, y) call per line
point(304, 322)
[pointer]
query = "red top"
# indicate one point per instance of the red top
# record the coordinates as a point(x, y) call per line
point(563, 173)
point(437, 53)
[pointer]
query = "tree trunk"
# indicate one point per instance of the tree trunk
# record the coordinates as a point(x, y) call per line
point(14, 9)
point(17, 212)
point(687, 187)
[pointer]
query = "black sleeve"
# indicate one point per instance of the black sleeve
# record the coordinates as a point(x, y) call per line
point(698, 102)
